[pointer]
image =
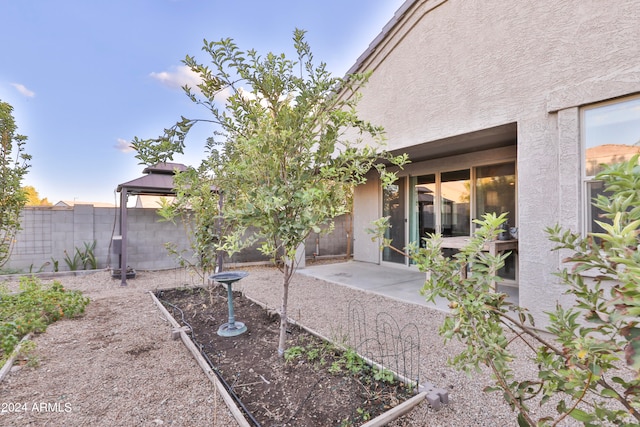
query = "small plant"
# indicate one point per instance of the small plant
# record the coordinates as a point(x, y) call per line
point(364, 415)
point(313, 354)
point(353, 362)
point(56, 265)
point(293, 353)
point(39, 270)
point(72, 262)
point(27, 353)
point(336, 367)
point(84, 258)
point(384, 375)
point(88, 256)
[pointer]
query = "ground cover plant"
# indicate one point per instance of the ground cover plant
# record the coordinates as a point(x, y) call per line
point(315, 384)
point(32, 309)
point(589, 365)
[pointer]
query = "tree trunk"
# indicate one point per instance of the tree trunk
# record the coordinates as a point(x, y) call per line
point(283, 310)
point(349, 227)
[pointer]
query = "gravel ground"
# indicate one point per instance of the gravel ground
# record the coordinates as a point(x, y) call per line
point(118, 366)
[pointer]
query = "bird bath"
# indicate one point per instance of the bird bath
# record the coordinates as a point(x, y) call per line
point(231, 328)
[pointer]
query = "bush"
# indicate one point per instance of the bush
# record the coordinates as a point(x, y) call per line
point(34, 308)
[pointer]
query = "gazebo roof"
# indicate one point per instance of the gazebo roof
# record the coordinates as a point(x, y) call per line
point(158, 180)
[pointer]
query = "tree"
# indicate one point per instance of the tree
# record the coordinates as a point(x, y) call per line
point(283, 158)
point(33, 198)
point(14, 163)
point(589, 365)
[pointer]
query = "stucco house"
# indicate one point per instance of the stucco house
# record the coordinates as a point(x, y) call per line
point(502, 107)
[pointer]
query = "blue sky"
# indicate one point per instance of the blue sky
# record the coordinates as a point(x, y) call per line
point(87, 76)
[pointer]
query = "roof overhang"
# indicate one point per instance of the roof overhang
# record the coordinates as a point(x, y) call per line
point(149, 184)
point(481, 140)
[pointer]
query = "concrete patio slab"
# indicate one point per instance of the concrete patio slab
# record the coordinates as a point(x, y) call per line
point(400, 283)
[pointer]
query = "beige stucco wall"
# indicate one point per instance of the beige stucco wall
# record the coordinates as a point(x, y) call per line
point(369, 208)
point(457, 66)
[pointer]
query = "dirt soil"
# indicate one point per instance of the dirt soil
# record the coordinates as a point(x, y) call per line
point(297, 392)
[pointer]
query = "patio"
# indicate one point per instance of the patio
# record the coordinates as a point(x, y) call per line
point(399, 283)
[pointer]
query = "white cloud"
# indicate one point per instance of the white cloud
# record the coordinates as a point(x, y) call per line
point(23, 90)
point(247, 95)
point(180, 76)
point(177, 77)
point(250, 96)
point(223, 95)
point(124, 146)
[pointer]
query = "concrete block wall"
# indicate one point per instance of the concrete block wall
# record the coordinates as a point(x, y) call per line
point(106, 223)
point(34, 245)
point(334, 243)
point(329, 244)
point(50, 233)
point(146, 239)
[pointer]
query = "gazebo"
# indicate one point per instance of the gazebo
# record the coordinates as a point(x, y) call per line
point(157, 181)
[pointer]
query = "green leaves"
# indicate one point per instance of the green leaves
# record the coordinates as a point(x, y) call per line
point(33, 309)
point(600, 334)
point(285, 164)
point(197, 208)
point(163, 148)
point(475, 310)
point(14, 165)
point(284, 159)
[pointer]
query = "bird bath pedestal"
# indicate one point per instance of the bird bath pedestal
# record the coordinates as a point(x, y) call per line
point(231, 328)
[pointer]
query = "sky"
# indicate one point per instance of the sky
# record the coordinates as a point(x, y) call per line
point(86, 77)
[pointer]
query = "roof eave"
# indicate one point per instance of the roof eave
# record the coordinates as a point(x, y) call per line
point(397, 17)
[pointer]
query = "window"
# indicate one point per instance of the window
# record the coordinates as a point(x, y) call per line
point(446, 202)
point(496, 191)
point(611, 134)
point(456, 197)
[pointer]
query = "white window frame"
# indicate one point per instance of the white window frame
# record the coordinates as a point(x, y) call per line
point(588, 180)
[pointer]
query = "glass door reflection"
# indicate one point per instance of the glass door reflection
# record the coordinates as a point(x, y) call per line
point(393, 206)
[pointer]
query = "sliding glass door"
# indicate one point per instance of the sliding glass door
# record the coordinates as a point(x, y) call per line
point(495, 187)
point(446, 203)
point(393, 206)
point(455, 188)
point(496, 191)
point(424, 196)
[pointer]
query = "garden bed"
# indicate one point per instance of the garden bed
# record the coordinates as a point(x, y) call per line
point(32, 309)
point(316, 384)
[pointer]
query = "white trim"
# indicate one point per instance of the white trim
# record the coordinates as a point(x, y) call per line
point(586, 180)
